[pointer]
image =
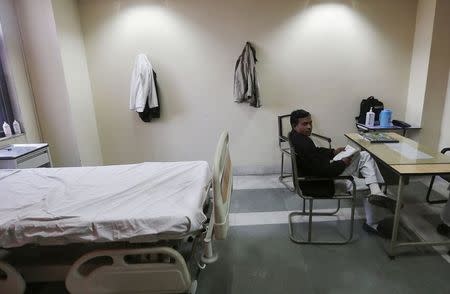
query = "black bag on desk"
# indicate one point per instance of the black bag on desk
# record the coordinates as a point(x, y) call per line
point(371, 102)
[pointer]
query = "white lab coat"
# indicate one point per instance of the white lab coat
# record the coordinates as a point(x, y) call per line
point(142, 85)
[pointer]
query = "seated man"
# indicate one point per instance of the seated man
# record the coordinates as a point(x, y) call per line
point(315, 161)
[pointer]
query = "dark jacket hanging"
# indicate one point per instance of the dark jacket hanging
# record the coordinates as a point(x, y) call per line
point(149, 113)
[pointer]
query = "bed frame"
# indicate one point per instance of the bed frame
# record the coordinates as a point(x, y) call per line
point(155, 266)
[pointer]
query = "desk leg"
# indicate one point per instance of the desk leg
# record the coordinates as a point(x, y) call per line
point(396, 218)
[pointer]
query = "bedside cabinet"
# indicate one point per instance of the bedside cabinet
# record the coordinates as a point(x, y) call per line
point(25, 156)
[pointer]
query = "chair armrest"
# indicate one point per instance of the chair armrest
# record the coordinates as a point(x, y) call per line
point(322, 137)
point(283, 138)
point(444, 150)
point(286, 151)
point(306, 179)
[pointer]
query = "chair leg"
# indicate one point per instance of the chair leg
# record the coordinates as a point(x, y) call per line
point(429, 192)
point(282, 175)
point(337, 208)
point(310, 213)
point(352, 221)
point(310, 219)
point(430, 187)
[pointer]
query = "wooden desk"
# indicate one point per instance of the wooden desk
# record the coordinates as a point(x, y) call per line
point(406, 158)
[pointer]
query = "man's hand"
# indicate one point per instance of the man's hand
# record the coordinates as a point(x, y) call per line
point(338, 150)
point(347, 160)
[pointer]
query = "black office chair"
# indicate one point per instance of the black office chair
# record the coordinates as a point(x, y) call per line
point(445, 177)
point(290, 151)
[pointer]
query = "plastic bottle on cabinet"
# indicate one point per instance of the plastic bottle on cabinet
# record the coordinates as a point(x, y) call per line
point(7, 129)
point(370, 118)
point(385, 118)
point(16, 127)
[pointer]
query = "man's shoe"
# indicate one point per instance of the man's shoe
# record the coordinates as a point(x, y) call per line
point(383, 201)
point(443, 230)
point(385, 227)
point(383, 230)
point(369, 229)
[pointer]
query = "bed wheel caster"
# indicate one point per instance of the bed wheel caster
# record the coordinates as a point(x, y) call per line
point(209, 259)
point(11, 281)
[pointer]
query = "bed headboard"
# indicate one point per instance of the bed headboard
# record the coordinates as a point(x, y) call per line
point(222, 186)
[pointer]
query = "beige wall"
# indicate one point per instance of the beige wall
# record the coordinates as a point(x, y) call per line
point(437, 78)
point(43, 55)
point(16, 66)
point(77, 81)
point(324, 57)
point(420, 60)
point(444, 140)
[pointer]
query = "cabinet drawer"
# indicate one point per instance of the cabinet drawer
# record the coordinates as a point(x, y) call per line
point(33, 160)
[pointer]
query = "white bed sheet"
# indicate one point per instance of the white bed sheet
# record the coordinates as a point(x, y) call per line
point(101, 204)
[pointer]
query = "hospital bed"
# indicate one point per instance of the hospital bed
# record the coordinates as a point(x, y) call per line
point(139, 228)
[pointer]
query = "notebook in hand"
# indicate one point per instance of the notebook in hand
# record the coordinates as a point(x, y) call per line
point(374, 137)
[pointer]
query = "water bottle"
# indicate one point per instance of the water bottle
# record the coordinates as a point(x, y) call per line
point(385, 118)
point(370, 118)
point(7, 129)
point(16, 127)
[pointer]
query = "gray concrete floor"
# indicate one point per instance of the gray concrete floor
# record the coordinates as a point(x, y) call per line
point(261, 258)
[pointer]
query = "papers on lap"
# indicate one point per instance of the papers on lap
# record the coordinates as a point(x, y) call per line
point(349, 151)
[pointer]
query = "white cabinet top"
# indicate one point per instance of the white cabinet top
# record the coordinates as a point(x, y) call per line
point(14, 151)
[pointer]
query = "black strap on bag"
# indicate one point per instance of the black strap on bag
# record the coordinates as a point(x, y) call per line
point(371, 102)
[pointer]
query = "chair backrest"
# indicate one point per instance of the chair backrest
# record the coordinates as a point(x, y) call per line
point(222, 186)
point(284, 126)
point(295, 166)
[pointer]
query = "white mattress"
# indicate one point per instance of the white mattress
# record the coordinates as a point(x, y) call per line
point(101, 204)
